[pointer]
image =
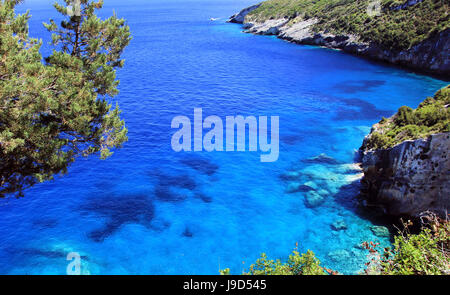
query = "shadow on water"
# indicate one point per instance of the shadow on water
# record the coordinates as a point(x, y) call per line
point(327, 182)
point(45, 223)
point(201, 165)
point(170, 187)
point(292, 139)
point(349, 198)
point(358, 86)
point(180, 180)
point(203, 197)
point(358, 109)
point(187, 233)
point(169, 194)
point(117, 211)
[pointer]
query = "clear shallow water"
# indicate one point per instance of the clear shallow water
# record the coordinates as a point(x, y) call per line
point(149, 210)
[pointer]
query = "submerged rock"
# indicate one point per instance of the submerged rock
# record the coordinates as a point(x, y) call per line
point(323, 192)
point(203, 197)
point(290, 175)
point(380, 231)
point(322, 159)
point(181, 181)
point(117, 211)
point(339, 255)
point(201, 165)
point(168, 194)
point(313, 199)
point(311, 184)
point(339, 225)
point(187, 233)
point(295, 187)
point(292, 139)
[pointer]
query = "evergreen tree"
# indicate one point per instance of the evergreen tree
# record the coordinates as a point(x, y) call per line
point(53, 112)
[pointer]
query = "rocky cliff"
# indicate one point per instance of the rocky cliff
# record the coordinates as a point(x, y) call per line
point(406, 160)
point(239, 17)
point(409, 178)
point(431, 55)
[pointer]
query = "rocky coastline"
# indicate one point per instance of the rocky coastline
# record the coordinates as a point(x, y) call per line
point(431, 56)
point(413, 176)
point(409, 178)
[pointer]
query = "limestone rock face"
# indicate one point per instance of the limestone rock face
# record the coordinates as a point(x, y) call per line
point(409, 178)
point(270, 27)
point(239, 18)
point(431, 56)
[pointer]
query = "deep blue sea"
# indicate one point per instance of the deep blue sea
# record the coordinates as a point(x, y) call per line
point(150, 210)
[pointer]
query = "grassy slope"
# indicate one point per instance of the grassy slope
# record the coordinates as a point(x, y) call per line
point(392, 29)
point(432, 116)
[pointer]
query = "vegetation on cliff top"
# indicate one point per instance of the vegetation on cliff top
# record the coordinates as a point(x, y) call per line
point(432, 116)
point(52, 112)
point(424, 253)
point(392, 29)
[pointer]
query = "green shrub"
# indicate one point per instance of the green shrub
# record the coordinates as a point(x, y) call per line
point(405, 116)
point(297, 264)
point(377, 141)
point(304, 264)
point(425, 253)
point(432, 116)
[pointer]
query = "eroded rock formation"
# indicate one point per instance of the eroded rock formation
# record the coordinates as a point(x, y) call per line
point(409, 178)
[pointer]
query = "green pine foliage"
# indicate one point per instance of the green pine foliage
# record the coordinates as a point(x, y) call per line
point(55, 111)
point(432, 116)
point(392, 29)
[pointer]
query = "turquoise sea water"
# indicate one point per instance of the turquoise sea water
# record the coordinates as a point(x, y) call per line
point(149, 210)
